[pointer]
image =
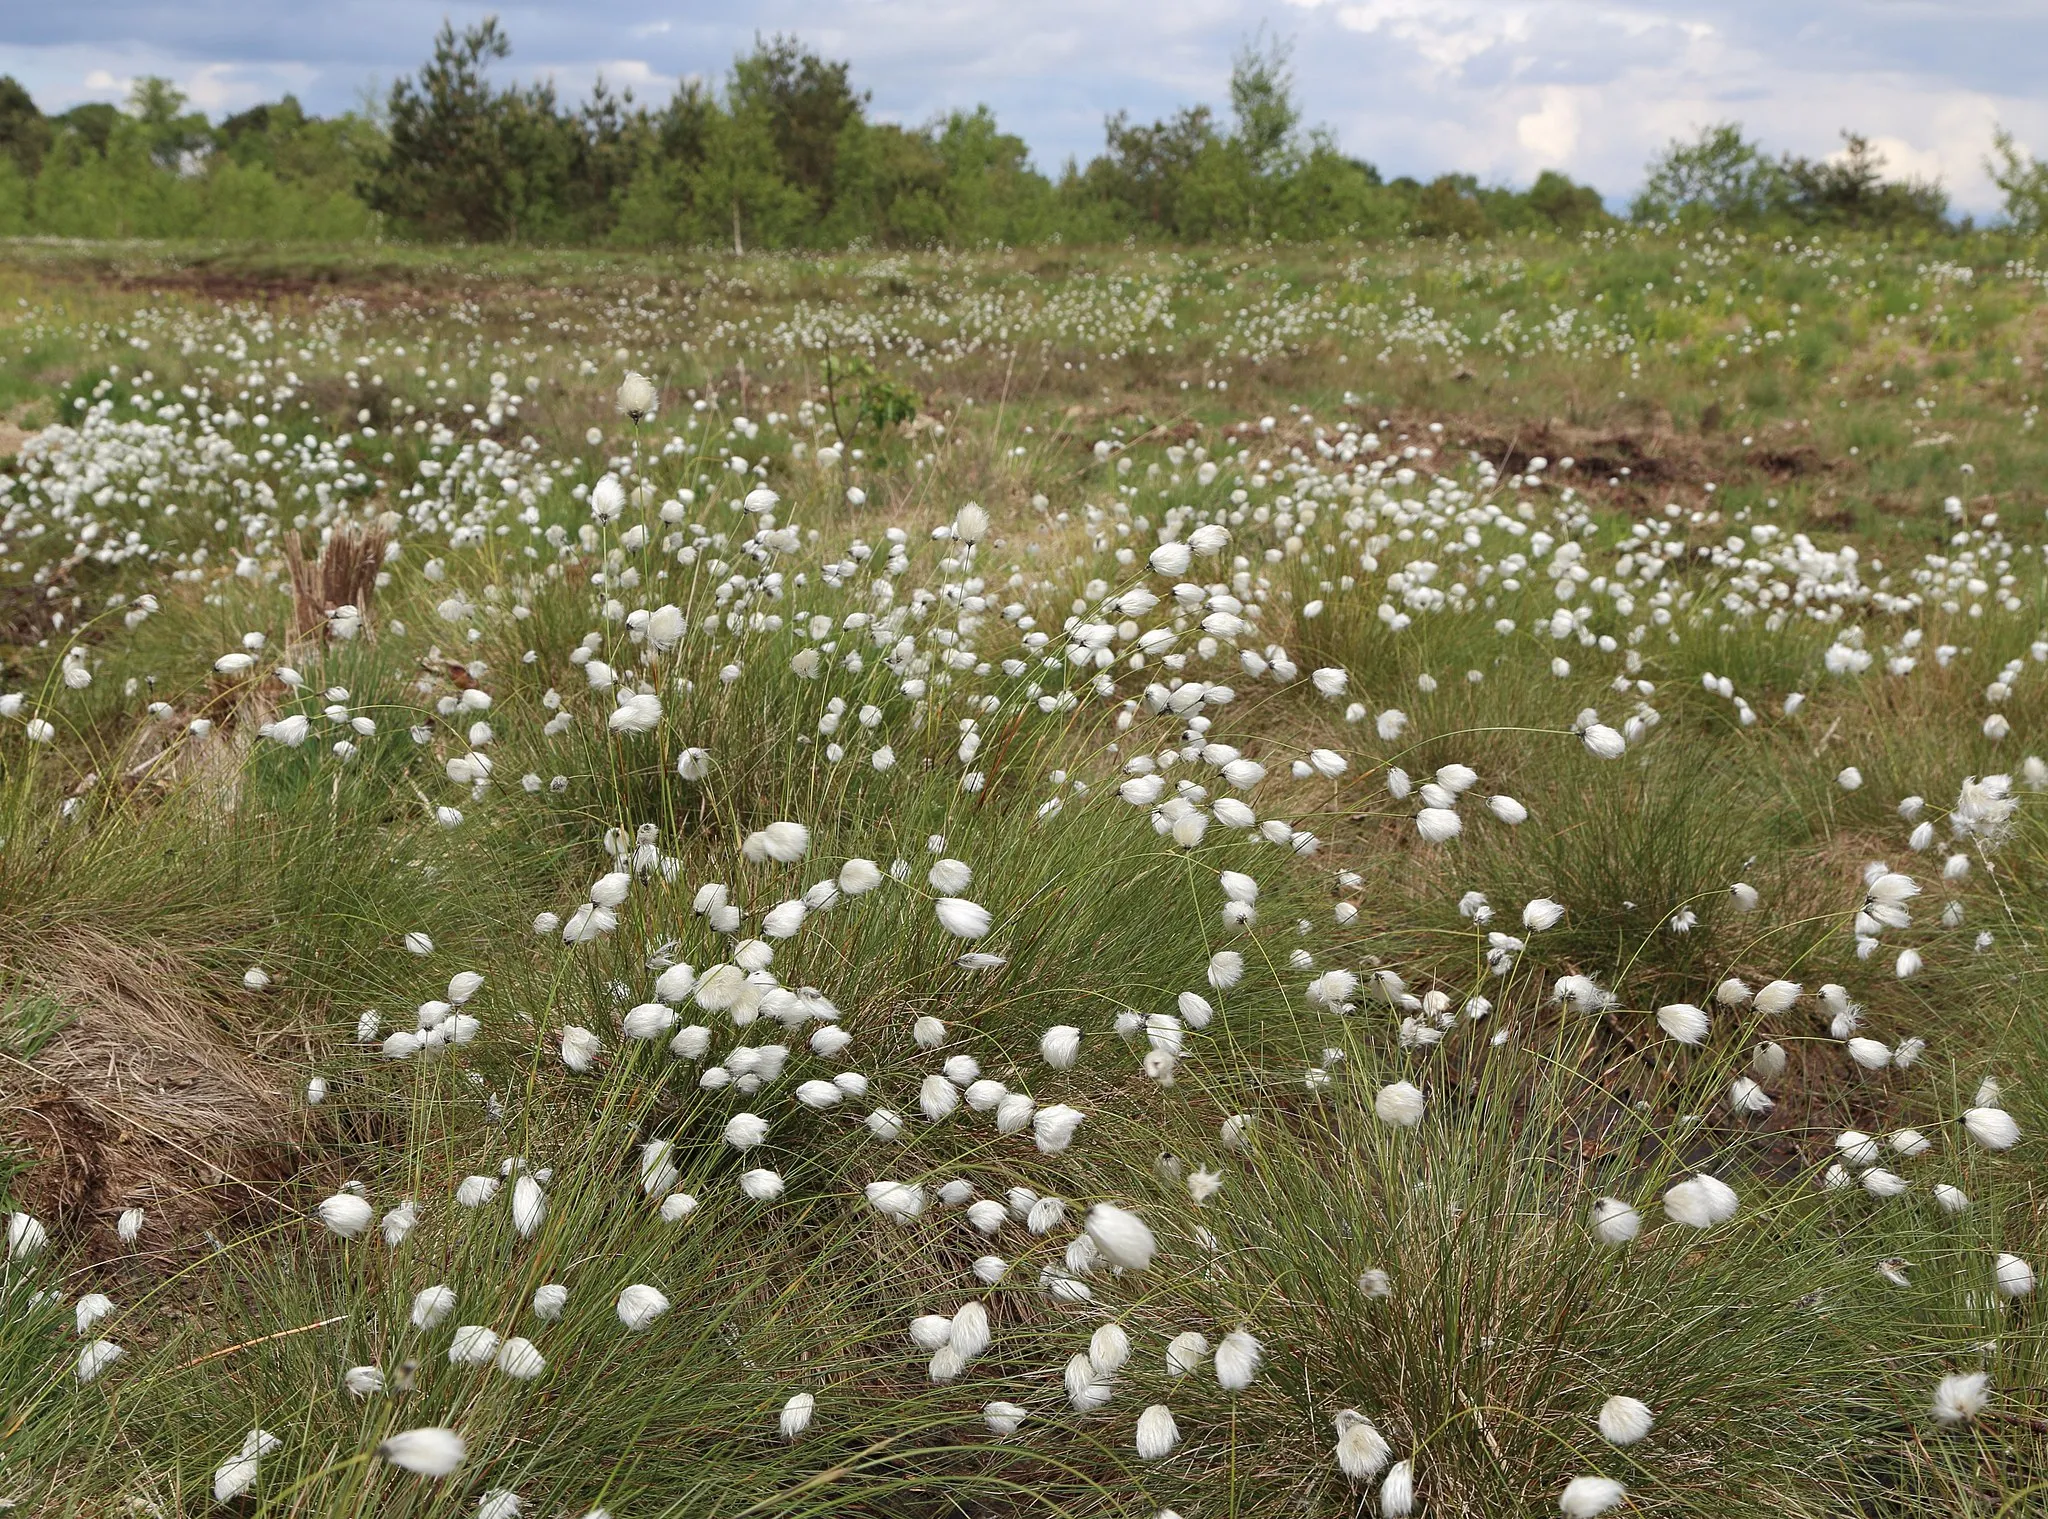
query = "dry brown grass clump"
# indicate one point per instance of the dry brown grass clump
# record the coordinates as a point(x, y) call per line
point(343, 575)
point(122, 1092)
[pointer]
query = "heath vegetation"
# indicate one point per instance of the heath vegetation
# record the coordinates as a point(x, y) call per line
point(1392, 877)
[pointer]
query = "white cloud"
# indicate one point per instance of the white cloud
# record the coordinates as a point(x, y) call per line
point(221, 89)
point(1901, 159)
point(212, 89)
point(1446, 36)
point(649, 86)
point(1552, 131)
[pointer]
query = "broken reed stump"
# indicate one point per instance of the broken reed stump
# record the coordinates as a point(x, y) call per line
point(343, 576)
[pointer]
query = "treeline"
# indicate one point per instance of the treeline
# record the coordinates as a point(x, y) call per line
point(1724, 178)
point(785, 153)
point(156, 170)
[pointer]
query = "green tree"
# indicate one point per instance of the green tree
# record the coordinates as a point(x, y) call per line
point(611, 137)
point(655, 207)
point(1140, 179)
point(321, 158)
point(253, 136)
point(652, 209)
point(992, 193)
point(24, 133)
point(91, 124)
point(1851, 190)
point(1332, 195)
point(172, 134)
point(1449, 206)
point(737, 189)
point(14, 198)
point(806, 105)
point(1564, 205)
point(1186, 179)
point(767, 165)
point(681, 126)
point(1264, 150)
point(889, 186)
point(117, 190)
point(446, 173)
point(1262, 102)
point(2021, 178)
point(540, 149)
point(239, 200)
point(1719, 176)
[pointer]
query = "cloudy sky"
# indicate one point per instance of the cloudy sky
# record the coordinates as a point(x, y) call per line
point(1499, 88)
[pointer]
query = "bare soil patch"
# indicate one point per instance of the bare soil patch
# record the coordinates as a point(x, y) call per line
point(1630, 463)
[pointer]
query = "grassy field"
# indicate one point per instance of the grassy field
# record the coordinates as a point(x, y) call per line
point(1106, 882)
